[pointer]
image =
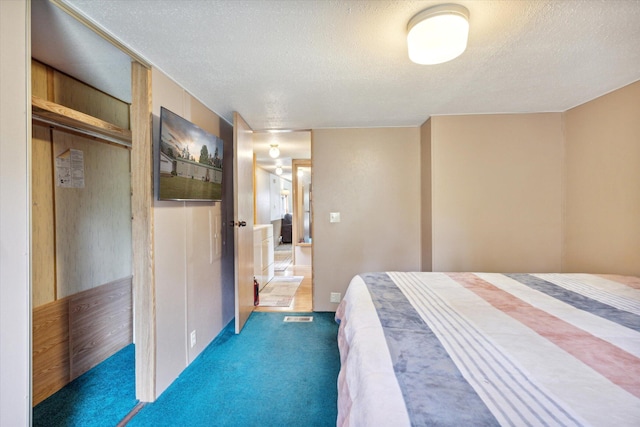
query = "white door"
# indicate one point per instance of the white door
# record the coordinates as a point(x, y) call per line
point(243, 219)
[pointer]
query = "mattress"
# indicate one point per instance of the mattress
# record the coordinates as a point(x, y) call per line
point(456, 349)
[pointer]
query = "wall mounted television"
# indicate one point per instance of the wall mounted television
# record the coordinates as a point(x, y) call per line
point(190, 161)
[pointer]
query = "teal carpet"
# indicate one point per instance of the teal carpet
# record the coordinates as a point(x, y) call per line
point(272, 374)
point(100, 397)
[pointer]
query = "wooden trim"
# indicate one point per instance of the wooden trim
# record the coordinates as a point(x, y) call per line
point(142, 233)
point(52, 113)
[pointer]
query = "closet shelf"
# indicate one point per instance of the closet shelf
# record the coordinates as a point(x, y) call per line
point(59, 115)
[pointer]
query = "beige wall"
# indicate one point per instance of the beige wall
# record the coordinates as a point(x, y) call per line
point(496, 192)
point(15, 125)
point(190, 294)
point(372, 177)
point(92, 223)
point(602, 174)
point(425, 198)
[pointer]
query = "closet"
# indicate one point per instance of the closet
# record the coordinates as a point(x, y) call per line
point(81, 228)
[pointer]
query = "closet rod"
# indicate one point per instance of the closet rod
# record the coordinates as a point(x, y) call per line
point(80, 130)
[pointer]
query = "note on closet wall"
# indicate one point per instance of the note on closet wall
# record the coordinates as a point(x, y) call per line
point(70, 169)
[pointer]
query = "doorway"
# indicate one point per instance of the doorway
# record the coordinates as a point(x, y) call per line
point(281, 207)
point(292, 253)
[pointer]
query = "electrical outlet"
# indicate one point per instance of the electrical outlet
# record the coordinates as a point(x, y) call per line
point(335, 297)
point(193, 339)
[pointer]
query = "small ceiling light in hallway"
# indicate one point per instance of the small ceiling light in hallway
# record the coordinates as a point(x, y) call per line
point(438, 34)
point(274, 151)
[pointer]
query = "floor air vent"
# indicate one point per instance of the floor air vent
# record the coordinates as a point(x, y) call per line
point(298, 318)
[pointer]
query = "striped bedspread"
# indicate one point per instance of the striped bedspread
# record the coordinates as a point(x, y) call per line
point(484, 349)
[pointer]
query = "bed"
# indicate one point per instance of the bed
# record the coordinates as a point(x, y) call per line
point(483, 349)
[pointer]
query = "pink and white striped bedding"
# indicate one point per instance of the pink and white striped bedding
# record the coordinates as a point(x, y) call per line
point(489, 349)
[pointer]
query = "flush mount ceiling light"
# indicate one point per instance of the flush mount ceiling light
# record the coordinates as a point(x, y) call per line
point(278, 170)
point(274, 151)
point(438, 34)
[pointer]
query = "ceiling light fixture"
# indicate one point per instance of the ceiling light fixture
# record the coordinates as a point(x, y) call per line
point(438, 34)
point(274, 151)
point(278, 170)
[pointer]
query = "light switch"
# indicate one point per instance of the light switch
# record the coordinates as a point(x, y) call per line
point(334, 217)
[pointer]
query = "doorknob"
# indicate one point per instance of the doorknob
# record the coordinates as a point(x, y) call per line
point(239, 223)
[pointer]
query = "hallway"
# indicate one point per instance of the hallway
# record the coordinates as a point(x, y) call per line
point(302, 301)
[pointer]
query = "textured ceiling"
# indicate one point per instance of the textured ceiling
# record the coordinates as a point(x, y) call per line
point(316, 64)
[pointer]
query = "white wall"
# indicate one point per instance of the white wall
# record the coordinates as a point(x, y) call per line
point(372, 177)
point(277, 184)
point(268, 196)
point(268, 200)
point(263, 197)
point(15, 128)
point(190, 293)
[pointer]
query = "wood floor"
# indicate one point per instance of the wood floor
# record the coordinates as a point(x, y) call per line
point(302, 301)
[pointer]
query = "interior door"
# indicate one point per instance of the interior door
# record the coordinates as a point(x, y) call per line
point(243, 219)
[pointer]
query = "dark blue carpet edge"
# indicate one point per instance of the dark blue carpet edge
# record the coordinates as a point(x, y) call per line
point(102, 396)
point(272, 374)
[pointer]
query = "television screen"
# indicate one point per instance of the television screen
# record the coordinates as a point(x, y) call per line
point(190, 161)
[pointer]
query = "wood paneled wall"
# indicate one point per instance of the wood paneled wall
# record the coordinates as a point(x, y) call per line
point(100, 324)
point(72, 335)
point(43, 273)
point(50, 342)
point(42, 81)
point(54, 86)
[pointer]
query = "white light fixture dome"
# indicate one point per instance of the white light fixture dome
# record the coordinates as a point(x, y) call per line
point(274, 151)
point(438, 34)
point(278, 170)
